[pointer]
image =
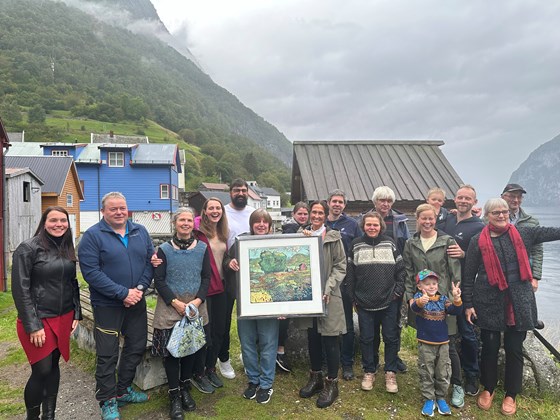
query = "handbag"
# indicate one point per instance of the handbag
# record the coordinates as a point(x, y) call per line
point(188, 334)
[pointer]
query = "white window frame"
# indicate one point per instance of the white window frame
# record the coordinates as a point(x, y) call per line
point(69, 200)
point(164, 191)
point(115, 159)
point(59, 152)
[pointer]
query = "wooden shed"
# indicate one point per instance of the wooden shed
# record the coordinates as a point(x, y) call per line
point(409, 168)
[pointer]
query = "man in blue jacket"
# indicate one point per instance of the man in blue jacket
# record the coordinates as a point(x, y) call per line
point(114, 257)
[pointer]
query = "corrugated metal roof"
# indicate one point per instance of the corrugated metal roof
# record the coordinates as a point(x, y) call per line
point(25, 149)
point(154, 154)
point(269, 191)
point(53, 170)
point(115, 138)
point(14, 172)
point(15, 137)
point(223, 196)
point(409, 168)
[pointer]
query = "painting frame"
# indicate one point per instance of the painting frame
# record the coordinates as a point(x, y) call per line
point(280, 276)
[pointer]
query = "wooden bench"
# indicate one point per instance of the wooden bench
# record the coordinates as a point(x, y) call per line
point(150, 373)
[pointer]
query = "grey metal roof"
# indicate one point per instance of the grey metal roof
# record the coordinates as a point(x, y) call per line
point(25, 149)
point(53, 170)
point(269, 191)
point(223, 196)
point(15, 172)
point(154, 154)
point(409, 168)
point(115, 138)
point(15, 137)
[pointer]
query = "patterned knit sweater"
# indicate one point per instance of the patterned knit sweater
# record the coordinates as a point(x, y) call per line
point(375, 272)
point(431, 327)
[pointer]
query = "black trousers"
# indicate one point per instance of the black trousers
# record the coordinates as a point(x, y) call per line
point(217, 308)
point(316, 343)
point(513, 346)
point(231, 291)
point(110, 324)
point(348, 340)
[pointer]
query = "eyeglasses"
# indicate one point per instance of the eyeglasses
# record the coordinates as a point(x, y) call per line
point(239, 190)
point(497, 213)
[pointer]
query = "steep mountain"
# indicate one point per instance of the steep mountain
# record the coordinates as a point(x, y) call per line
point(58, 57)
point(539, 174)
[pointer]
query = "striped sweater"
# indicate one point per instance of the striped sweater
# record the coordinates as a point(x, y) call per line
point(431, 327)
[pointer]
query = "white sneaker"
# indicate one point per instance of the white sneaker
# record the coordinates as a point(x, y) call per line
point(226, 369)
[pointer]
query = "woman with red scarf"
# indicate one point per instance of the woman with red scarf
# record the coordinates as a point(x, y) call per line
point(498, 295)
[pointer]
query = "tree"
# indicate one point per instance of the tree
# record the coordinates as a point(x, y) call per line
point(36, 115)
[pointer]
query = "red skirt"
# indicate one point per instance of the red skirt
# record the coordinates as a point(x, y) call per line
point(57, 335)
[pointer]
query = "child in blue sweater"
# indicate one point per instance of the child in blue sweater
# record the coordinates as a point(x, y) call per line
point(431, 309)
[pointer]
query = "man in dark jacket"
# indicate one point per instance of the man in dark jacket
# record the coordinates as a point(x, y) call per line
point(462, 227)
point(114, 257)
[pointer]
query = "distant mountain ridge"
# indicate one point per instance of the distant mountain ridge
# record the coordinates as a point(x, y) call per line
point(539, 174)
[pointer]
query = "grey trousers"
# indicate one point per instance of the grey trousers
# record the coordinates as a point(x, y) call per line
point(434, 368)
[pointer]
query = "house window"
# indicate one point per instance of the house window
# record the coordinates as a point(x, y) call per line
point(59, 153)
point(69, 200)
point(26, 192)
point(174, 193)
point(164, 191)
point(116, 159)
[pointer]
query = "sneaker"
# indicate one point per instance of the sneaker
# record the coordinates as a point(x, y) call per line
point(202, 384)
point(282, 362)
point(347, 373)
point(110, 410)
point(442, 407)
point(428, 408)
point(458, 396)
point(226, 369)
point(132, 396)
point(213, 378)
point(471, 386)
point(401, 366)
point(264, 394)
point(251, 391)
point(367, 381)
point(391, 382)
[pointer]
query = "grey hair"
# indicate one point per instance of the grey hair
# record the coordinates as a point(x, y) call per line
point(493, 204)
point(112, 194)
point(383, 193)
point(337, 193)
point(182, 210)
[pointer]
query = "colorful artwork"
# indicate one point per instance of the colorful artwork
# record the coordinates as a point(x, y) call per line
point(280, 274)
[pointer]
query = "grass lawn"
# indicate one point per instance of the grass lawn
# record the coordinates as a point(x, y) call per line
point(227, 402)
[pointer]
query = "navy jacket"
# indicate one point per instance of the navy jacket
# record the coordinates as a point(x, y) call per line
point(348, 228)
point(109, 267)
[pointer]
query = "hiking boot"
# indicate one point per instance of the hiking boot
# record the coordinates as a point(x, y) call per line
point(251, 391)
point(442, 407)
point(401, 366)
point(347, 373)
point(471, 386)
point(175, 409)
point(367, 381)
point(187, 401)
point(314, 384)
point(110, 410)
point(484, 400)
point(202, 384)
point(264, 395)
point(132, 396)
point(49, 406)
point(329, 393)
point(282, 362)
point(213, 378)
point(226, 369)
point(458, 396)
point(33, 413)
point(428, 408)
point(391, 382)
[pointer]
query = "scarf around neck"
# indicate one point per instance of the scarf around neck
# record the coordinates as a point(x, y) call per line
point(183, 243)
point(492, 262)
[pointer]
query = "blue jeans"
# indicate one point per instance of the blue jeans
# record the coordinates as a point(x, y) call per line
point(390, 331)
point(469, 346)
point(259, 342)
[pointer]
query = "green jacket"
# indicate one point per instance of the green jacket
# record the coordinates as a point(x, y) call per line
point(536, 252)
point(435, 259)
point(334, 260)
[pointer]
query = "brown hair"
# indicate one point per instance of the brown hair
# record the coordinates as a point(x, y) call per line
point(222, 228)
point(257, 216)
point(375, 215)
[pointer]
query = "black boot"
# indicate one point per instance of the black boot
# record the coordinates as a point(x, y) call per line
point(329, 394)
point(33, 413)
point(175, 410)
point(313, 385)
point(49, 405)
point(187, 400)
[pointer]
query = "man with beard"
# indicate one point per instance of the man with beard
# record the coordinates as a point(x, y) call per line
point(462, 227)
point(348, 228)
point(238, 213)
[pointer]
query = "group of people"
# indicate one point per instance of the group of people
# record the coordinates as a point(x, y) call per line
point(455, 271)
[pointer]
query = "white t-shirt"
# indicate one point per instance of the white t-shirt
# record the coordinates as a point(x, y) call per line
point(238, 222)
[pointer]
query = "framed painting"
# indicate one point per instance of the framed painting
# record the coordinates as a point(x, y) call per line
point(280, 275)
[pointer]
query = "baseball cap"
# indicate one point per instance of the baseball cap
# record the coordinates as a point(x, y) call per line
point(512, 188)
point(424, 274)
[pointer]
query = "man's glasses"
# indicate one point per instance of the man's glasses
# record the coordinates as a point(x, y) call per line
point(239, 190)
point(497, 213)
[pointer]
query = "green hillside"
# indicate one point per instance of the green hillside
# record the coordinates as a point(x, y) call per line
point(57, 62)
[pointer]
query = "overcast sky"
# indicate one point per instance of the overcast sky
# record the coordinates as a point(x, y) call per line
point(483, 76)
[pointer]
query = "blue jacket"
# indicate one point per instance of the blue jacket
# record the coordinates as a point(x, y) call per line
point(109, 267)
point(348, 228)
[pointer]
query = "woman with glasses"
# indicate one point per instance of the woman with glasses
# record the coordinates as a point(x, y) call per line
point(498, 294)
